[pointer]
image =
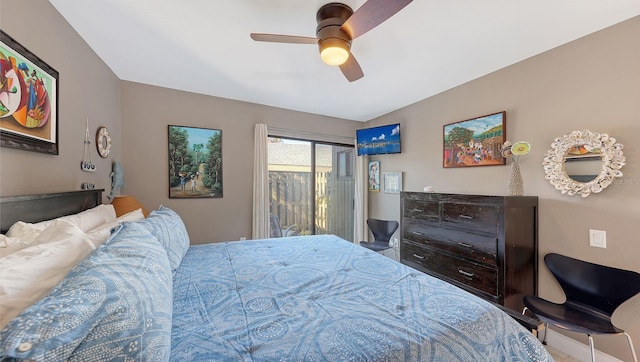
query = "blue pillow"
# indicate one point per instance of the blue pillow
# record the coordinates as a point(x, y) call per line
point(167, 226)
point(115, 304)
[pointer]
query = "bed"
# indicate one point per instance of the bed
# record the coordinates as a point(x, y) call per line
point(146, 294)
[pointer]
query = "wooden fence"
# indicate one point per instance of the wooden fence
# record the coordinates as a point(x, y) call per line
point(291, 200)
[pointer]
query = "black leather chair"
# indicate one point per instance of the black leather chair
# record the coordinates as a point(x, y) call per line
point(593, 292)
point(382, 231)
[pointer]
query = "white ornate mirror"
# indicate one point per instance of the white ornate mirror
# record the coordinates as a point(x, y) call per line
point(583, 162)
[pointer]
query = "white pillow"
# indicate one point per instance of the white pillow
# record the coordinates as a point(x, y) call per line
point(100, 234)
point(85, 220)
point(92, 218)
point(29, 274)
point(24, 231)
point(9, 245)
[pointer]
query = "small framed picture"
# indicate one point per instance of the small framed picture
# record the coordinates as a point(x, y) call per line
point(374, 176)
point(392, 182)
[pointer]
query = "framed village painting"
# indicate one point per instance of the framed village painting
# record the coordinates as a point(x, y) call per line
point(195, 162)
point(28, 99)
point(475, 142)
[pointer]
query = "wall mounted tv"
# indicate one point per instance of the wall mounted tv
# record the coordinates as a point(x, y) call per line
point(378, 140)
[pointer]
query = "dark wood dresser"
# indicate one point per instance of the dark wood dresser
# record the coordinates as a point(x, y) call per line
point(487, 245)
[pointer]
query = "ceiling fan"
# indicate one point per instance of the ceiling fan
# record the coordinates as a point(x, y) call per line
point(337, 26)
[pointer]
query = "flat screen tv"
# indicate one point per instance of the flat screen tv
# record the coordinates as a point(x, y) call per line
point(378, 140)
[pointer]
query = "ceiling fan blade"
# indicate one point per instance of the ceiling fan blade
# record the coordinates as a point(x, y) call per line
point(371, 14)
point(277, 38)
point(351, 69)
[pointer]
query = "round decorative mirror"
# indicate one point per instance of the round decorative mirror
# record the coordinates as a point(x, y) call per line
point(583, 162)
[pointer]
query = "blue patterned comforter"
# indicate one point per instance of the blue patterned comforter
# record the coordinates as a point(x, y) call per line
point(322, 298)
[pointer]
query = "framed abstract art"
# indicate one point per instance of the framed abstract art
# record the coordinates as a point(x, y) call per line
point(28, 99)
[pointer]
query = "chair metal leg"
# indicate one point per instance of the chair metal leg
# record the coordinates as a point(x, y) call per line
point(546, 328)
point(593, 352)
point(633, 351)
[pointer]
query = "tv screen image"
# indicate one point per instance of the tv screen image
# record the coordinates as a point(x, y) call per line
point(378, 140)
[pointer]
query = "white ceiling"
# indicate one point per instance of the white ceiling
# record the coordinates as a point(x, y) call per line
point(203, 46)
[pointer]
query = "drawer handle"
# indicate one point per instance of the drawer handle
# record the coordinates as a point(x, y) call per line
point(417, 233)
point(465, 273)
point(418, 256)
point(465, 245)
point(463, 216)
point(417, 210)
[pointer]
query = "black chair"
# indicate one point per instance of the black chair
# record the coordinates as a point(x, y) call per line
point(593, 292)
point(382, 231)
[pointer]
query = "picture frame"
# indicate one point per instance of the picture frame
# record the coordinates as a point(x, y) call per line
point(29, 105)
point(374, 176)
point(195, 162)
point(475, 142)
point(392, 183)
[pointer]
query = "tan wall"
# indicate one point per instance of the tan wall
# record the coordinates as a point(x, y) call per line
point(87, 88)
point(591, 83)
point(146, 112)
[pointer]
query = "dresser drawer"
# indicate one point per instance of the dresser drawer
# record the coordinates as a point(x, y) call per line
point(423, 210)
point(469, 274)
point(479, 248)
point(475, 217)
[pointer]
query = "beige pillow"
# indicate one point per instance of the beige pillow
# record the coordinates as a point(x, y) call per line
point(29, 274)
point(100, 234)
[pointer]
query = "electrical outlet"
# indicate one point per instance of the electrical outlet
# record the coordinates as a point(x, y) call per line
point(243, 238)
point(598, 238)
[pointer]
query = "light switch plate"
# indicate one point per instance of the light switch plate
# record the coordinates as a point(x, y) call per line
point(598, 238)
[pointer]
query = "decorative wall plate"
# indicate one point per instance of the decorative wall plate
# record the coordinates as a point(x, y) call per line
point(103, 142)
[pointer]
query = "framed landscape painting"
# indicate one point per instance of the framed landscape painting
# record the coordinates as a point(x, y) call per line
point(28, 99)
point(475, 142)
point(195, 162)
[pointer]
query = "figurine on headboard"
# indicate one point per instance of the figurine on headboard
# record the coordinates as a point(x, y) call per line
point(117, 180)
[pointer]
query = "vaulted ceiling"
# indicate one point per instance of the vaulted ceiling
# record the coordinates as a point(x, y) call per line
point(430, 46)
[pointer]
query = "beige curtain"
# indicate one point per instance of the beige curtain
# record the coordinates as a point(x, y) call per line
point(260, 227)
point(361, 212)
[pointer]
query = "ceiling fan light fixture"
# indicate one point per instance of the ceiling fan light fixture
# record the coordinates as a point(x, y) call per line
point(334, 51)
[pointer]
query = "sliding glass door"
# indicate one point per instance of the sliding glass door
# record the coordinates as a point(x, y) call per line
point(312, 187)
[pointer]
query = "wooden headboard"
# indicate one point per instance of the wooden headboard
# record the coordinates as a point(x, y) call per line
point(35, 208)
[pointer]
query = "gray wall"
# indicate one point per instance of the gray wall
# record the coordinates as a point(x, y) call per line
point(146, 113)
point(591, 83)
point(87, 88)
